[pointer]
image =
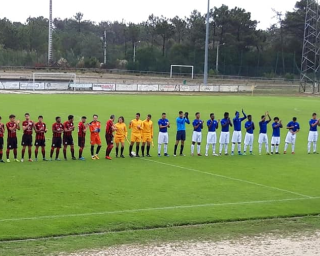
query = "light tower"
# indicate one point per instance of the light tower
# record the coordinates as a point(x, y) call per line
point(50, 34)
point(310, 62)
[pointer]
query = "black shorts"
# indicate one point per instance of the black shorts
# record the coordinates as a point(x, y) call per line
point(1, 143)
point(181, 135)
point(40, 143)
point(26, 140)
point(68, 140)
point(12, 143)
point(81, 142)
point(56, 142)
point(109, 139)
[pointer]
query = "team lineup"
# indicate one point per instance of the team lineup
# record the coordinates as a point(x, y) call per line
point(142, 135)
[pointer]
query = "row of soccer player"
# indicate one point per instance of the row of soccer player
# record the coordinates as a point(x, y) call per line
point(142, 133)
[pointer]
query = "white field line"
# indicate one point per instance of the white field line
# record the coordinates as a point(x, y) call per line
point(156, 209)
point(230, 178)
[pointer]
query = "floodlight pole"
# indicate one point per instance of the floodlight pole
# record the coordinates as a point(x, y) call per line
point(134, 50)
point(50, 34)
point(206, 56)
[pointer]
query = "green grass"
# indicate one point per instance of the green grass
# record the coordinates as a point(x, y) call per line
point(46, 199)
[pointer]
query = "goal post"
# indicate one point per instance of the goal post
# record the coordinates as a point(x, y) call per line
point(53, 77)
point(182, 66)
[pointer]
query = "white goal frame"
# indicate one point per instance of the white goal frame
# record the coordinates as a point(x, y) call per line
point(71, 76)
point(182, 66)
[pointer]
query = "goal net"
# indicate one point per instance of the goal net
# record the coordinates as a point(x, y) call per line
point(53, 81)
point(184, 67)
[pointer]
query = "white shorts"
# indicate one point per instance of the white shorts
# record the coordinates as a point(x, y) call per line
point(263, 138)
point(248, 139)
point(196, 137)
point(212, 138)
point(313, 136)
point(291, 138)
point(236, 137)
point(163, 138)
point(275, 140)
point(224, 138)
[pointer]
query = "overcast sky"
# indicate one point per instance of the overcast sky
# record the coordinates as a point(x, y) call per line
point(136, 10)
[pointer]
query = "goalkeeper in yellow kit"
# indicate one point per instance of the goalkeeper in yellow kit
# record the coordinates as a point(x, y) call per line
point(136, 126)
point(147, 135)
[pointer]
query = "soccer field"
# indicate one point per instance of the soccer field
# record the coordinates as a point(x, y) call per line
point(42, 199)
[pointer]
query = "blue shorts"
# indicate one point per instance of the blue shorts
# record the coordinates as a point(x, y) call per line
point(181, 135)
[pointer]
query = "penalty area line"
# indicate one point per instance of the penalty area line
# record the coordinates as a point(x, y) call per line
point(230, 178)
point(155, 209)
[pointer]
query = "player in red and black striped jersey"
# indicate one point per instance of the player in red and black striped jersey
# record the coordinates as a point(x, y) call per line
point(68, 128)
point(40, 129)
point(57, 129)
point(12, 144)
point(27, 127)
point(2, 130)
point(82, 130)
point(109, 136)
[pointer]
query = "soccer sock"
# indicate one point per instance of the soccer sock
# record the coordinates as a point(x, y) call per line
point(98, 150)
point(226, 148)
point(29, 152)
point(137, 150)
point(130, 149)
point(260, 148)
point(251, 147)
point(148, 150)
point(181, 149)
point(286, 147)
point(122, 148)
point(175, 149)
point(72, 152)
point(220, 149)
point(51, 152)
point(198, 149)
point(57, 153)
point(15, 153)
point(239, 147)
point(213, 148)
point(1, 153)
point(277, 148)
point(232, 147)
point(142, 150)
point(314, 146)
point(65, 153)
point(192, 149)
point(36, 152)
point(159, 149)
point(292, 147)
point(80, 152)
point(267, 147)
point(165, 148)
point(22, 153)
point(207, 148)
point(43, 151)
point(245, 148)
point(272, 148)
point(8, 153)
point(309, 146)
point(92, 150)
point(117, 151)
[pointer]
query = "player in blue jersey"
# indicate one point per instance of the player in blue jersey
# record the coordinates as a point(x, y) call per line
point(212, 125)
point(313, 133)
point(293, 128)
point(197, 134)
point(263, 136)
point(275, 140)
point(225, 135)
point(237, 135)
point(181, 121)
point(163, 137)
point(248, 140)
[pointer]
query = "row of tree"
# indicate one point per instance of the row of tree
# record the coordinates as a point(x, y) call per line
point(160, 42)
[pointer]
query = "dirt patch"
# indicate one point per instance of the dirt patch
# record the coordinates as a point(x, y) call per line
point(298, 245)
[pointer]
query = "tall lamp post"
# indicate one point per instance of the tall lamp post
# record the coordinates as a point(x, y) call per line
point(50, 34)
point(134, 50)
point(217, 59)
point(206, 56)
